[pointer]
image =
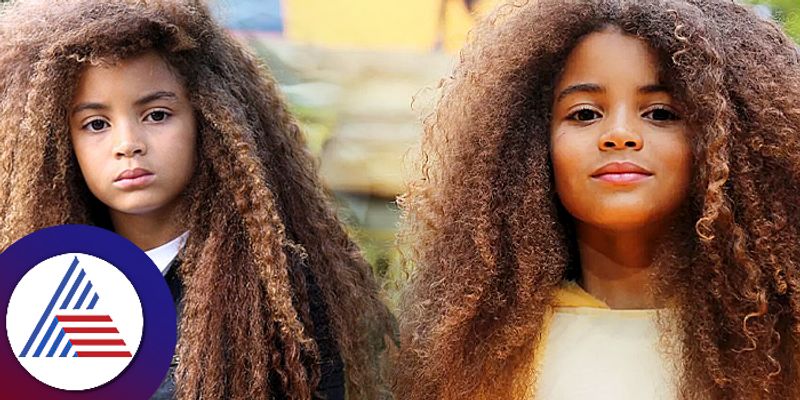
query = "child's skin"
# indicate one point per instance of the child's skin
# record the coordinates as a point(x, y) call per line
point(610, 108)
point(134, 118)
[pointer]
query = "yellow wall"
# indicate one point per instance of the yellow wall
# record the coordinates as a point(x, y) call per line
point(459, 21)
point(378, 24)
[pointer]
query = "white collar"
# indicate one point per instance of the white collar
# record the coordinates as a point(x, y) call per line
point(163, 255)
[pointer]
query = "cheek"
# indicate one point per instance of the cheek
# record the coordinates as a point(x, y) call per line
point(677, 163)
point(181, 156)
point(673, 152)
point(568, 158)
point(90, 163)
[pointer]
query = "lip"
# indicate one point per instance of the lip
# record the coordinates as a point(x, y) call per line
point(134, 178)
point(622, 173)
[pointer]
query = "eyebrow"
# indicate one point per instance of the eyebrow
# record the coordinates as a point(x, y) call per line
point(578, 88)
point(156, 96)
point(166, 95)
point(657, 88)
point(594, 88)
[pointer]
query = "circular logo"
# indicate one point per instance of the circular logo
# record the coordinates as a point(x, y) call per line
point(82, 332)
point(88, 316)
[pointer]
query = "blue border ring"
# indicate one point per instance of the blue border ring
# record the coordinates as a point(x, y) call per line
point(152, 361)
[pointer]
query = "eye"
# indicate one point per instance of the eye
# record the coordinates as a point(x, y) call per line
point(157, 116)
point(585, 115)
point(96, 125)
point(662, 114)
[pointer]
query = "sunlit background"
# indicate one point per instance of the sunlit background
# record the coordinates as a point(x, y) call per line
point(350, 69)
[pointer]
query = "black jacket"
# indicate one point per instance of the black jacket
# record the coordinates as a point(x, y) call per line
point(332, 381)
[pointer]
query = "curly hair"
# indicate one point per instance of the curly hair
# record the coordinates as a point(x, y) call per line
point(489, 242)
point(261, 226)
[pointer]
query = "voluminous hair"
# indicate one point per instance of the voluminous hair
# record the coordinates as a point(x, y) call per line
point(490, 244)
point(262, 229)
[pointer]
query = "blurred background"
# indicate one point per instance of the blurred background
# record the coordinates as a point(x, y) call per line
point(350, 69)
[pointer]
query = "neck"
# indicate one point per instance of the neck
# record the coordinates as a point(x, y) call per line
point(149, 230)
point(616, 266)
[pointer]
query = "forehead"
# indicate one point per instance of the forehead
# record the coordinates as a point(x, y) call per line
point(611, 58)
point(143, 73)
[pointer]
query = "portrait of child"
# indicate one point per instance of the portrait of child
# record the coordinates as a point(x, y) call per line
point(148, 119)
point(609, 208)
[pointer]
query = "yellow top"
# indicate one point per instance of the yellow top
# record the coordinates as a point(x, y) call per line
point(590, 351)
point(572, 295)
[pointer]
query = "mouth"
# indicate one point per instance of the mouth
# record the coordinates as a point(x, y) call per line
point(134, 178)
point(622, 173)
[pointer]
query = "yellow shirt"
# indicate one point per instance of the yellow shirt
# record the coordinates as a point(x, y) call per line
point(593, 352)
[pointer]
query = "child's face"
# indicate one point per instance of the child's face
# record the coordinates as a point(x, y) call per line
point(620, 150)
point(134, 134)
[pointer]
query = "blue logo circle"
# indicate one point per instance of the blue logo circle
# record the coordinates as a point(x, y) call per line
point(73, 302)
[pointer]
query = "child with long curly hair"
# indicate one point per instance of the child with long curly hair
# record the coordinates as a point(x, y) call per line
point(609, 208)
point(146, 118)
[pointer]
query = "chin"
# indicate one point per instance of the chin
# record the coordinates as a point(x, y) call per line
point(136, 208)
point(627, 222)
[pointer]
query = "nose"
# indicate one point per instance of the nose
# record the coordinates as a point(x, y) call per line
point(621, 136)
point(129, 141)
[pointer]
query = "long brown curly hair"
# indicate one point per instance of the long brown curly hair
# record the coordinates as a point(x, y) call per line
point(489, 242)
point(261, 226)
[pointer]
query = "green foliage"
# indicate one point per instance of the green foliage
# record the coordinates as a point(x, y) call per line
point(787, 12)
